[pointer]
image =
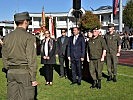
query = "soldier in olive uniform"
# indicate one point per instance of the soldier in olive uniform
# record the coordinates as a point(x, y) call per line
point(19, 58)
point(113, 42)
point(96, 50)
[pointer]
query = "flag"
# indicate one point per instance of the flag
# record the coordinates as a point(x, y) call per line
point(51, 26)
point(43, 28)
point(115, 6)
point(43, 17)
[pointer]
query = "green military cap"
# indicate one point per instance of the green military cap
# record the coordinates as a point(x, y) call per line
point(95, 28)
point(110, 25)
point(21, 16)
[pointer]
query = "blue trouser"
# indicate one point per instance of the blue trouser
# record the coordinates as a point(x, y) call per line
point(76, 70)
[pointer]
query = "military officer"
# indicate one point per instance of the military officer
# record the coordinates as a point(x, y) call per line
point(19, 59)
point(113, 42)
point(96, 50)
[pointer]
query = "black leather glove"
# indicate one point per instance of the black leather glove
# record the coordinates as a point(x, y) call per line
point(4, 70)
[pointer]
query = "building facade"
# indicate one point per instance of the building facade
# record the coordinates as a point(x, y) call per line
point(6, 27)
point(66, 20)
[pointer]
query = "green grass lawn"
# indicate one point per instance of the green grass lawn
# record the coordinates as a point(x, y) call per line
point(62, 90)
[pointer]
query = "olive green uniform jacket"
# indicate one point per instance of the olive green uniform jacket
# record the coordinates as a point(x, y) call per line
point(112, 42)
point(19, 49)
point(95, 47)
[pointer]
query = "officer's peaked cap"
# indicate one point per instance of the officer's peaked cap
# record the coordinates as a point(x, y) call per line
point(21, 16)
point(95, 28)
point(111, 25)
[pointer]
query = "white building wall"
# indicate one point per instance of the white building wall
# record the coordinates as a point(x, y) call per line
point(105, 17)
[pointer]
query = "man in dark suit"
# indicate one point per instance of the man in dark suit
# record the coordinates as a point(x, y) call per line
point(76, 52)
point(62, 44)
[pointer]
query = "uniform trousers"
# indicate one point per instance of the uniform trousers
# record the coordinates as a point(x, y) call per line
point(96, 67)
point(76, 70)
point(112, 60)
point(49, 72)
point(19, 85)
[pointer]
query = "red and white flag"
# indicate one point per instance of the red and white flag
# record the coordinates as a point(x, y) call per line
point(51, 26)
point(115, 6)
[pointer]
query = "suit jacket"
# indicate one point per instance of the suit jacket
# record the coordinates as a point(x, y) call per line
point(77, 50)
point(62, 47)
point(51, 52)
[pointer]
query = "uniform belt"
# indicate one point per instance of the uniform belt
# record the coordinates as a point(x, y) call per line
point(18, 67)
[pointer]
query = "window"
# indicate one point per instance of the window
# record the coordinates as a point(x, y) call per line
point(61, 18)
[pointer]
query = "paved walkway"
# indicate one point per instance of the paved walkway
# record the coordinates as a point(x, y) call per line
point(126, 58)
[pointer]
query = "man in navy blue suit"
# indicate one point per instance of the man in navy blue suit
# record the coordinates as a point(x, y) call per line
point(76, 52)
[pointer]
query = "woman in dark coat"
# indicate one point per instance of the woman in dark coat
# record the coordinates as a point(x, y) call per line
point(48, 49)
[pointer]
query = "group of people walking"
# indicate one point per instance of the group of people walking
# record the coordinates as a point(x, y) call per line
point(19, 57)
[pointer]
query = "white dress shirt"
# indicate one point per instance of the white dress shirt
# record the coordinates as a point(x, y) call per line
point(75, 38)
point(46, 48)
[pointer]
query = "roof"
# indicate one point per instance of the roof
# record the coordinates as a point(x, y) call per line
point(7, 22)
point(104, 8)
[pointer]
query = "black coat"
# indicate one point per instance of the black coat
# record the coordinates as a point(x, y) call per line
point(62, 47)
point(76, 51)
point(51, 52)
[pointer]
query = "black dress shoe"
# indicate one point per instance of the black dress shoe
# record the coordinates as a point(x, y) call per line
point(109, 78)
point(79, 83)
point(114, 78)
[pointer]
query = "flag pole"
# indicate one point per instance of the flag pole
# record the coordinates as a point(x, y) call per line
point(120, 15)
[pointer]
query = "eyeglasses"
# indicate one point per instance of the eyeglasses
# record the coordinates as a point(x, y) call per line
point(46, 33)
point(63, 31)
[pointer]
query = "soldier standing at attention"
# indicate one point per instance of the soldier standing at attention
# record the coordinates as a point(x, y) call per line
point(19, 58)
point(113, 42)
point(96, 51)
